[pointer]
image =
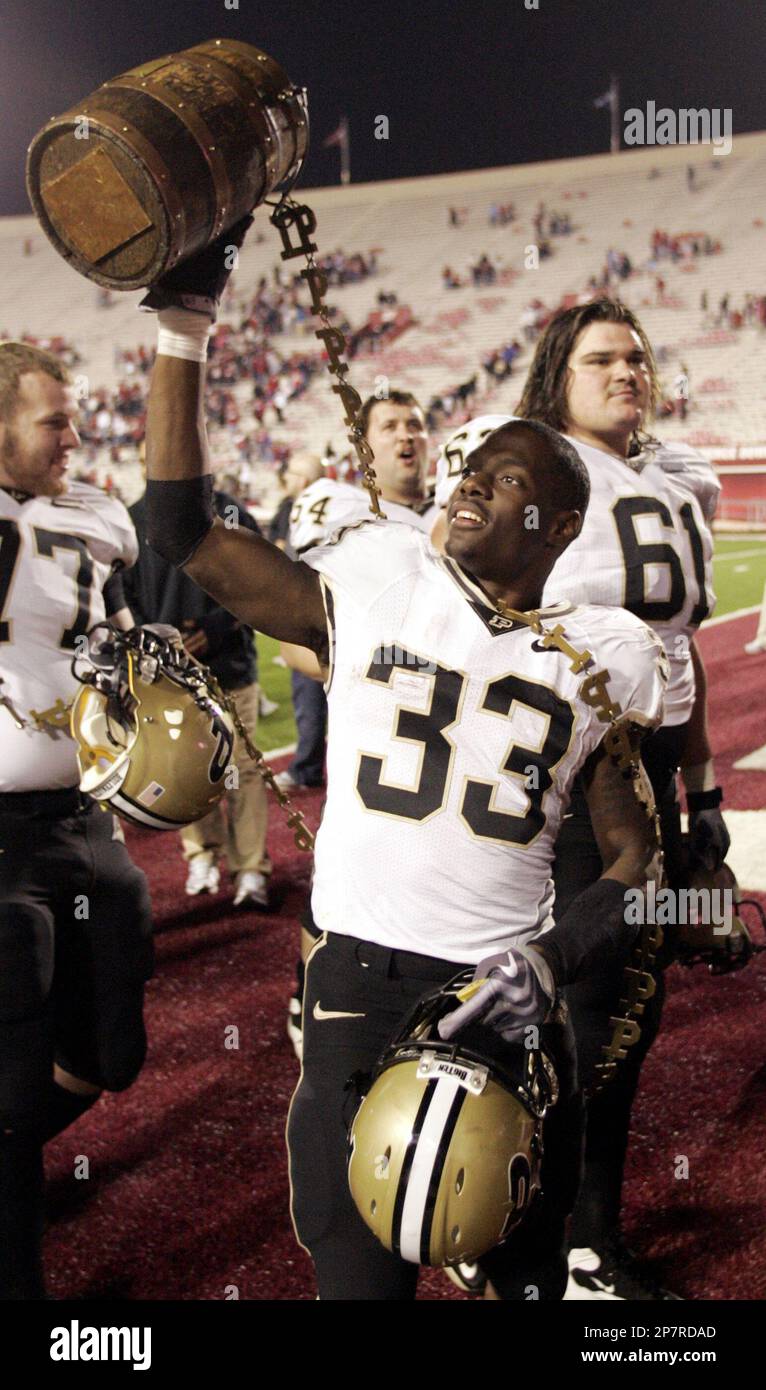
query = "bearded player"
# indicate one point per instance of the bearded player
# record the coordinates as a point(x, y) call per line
point(436, 842)
point(75, 925)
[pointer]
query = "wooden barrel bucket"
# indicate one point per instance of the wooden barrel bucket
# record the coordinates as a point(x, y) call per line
point(156, 163)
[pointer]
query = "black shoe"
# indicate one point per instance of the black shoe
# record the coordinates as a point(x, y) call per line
point(612, 1272)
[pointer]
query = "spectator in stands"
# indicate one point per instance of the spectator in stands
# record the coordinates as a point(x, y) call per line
point(723, 310)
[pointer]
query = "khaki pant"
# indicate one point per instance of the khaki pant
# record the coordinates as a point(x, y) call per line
point(240, 834)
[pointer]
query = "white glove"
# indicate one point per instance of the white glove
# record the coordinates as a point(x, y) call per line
point(517, 992)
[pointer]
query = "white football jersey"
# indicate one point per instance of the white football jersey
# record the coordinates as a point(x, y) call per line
point(56, 554)
point(454, 738)
point(646, 546)
point(325, 506)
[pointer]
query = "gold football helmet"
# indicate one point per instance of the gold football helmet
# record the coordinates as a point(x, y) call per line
point(153, 739)
point(445, 1147)
point(713, 932)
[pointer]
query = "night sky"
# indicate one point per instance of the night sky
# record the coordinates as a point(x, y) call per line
point(464, 85)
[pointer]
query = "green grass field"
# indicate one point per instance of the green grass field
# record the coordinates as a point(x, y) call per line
point(740, 575)
point(278, 730)
point(739, 570)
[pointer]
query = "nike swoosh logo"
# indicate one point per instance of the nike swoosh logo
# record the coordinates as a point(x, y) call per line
point(320, 1013)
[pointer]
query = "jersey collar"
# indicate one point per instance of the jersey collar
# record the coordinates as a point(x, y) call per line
point(484, 608)
point(18, 494)
point(589, 454)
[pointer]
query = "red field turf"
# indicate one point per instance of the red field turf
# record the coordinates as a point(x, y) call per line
point(188, 1194)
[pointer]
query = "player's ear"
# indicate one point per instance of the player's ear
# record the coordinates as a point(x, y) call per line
point(565, 527)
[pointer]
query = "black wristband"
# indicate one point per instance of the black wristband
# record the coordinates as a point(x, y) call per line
point(179, 514)
point(593, 931)
point(704, 801)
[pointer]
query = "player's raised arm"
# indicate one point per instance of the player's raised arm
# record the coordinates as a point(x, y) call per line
point(246, 574)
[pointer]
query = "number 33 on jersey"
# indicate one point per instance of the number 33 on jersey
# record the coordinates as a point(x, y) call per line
point(454, 738)
point(56, 554)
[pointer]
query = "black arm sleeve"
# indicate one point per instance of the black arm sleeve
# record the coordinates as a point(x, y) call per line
point(114, 594)
point(179, 514)
point(591, 934)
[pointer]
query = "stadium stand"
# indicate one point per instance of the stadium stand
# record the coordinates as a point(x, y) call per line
point(688, 259)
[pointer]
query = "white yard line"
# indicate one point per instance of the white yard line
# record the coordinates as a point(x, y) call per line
point(279, 752)
point(739, 555)
point(747, 855)
point(753, 762)
point(729, 617)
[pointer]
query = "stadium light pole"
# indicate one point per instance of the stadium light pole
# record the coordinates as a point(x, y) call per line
point(611, 98)
point(340, 137)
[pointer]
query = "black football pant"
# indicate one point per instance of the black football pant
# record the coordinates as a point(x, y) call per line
point(356, 996)
point(75, 953)
point(593, 1001)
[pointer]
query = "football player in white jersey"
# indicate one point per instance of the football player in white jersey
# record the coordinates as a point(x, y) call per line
point(395, 429)
point(645, 545)
point(436, 844)
point(75, 924)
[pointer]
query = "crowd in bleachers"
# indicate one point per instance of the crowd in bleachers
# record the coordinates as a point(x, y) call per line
point(255, 380)
point(751, 311)
point(683, 246)
point(62, 348)
point(241, 355)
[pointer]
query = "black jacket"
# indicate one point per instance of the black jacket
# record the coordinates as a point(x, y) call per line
point(157, 592)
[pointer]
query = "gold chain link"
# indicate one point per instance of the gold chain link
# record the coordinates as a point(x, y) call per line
point(289, 215)
point(638, 981)
point(301, 834)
